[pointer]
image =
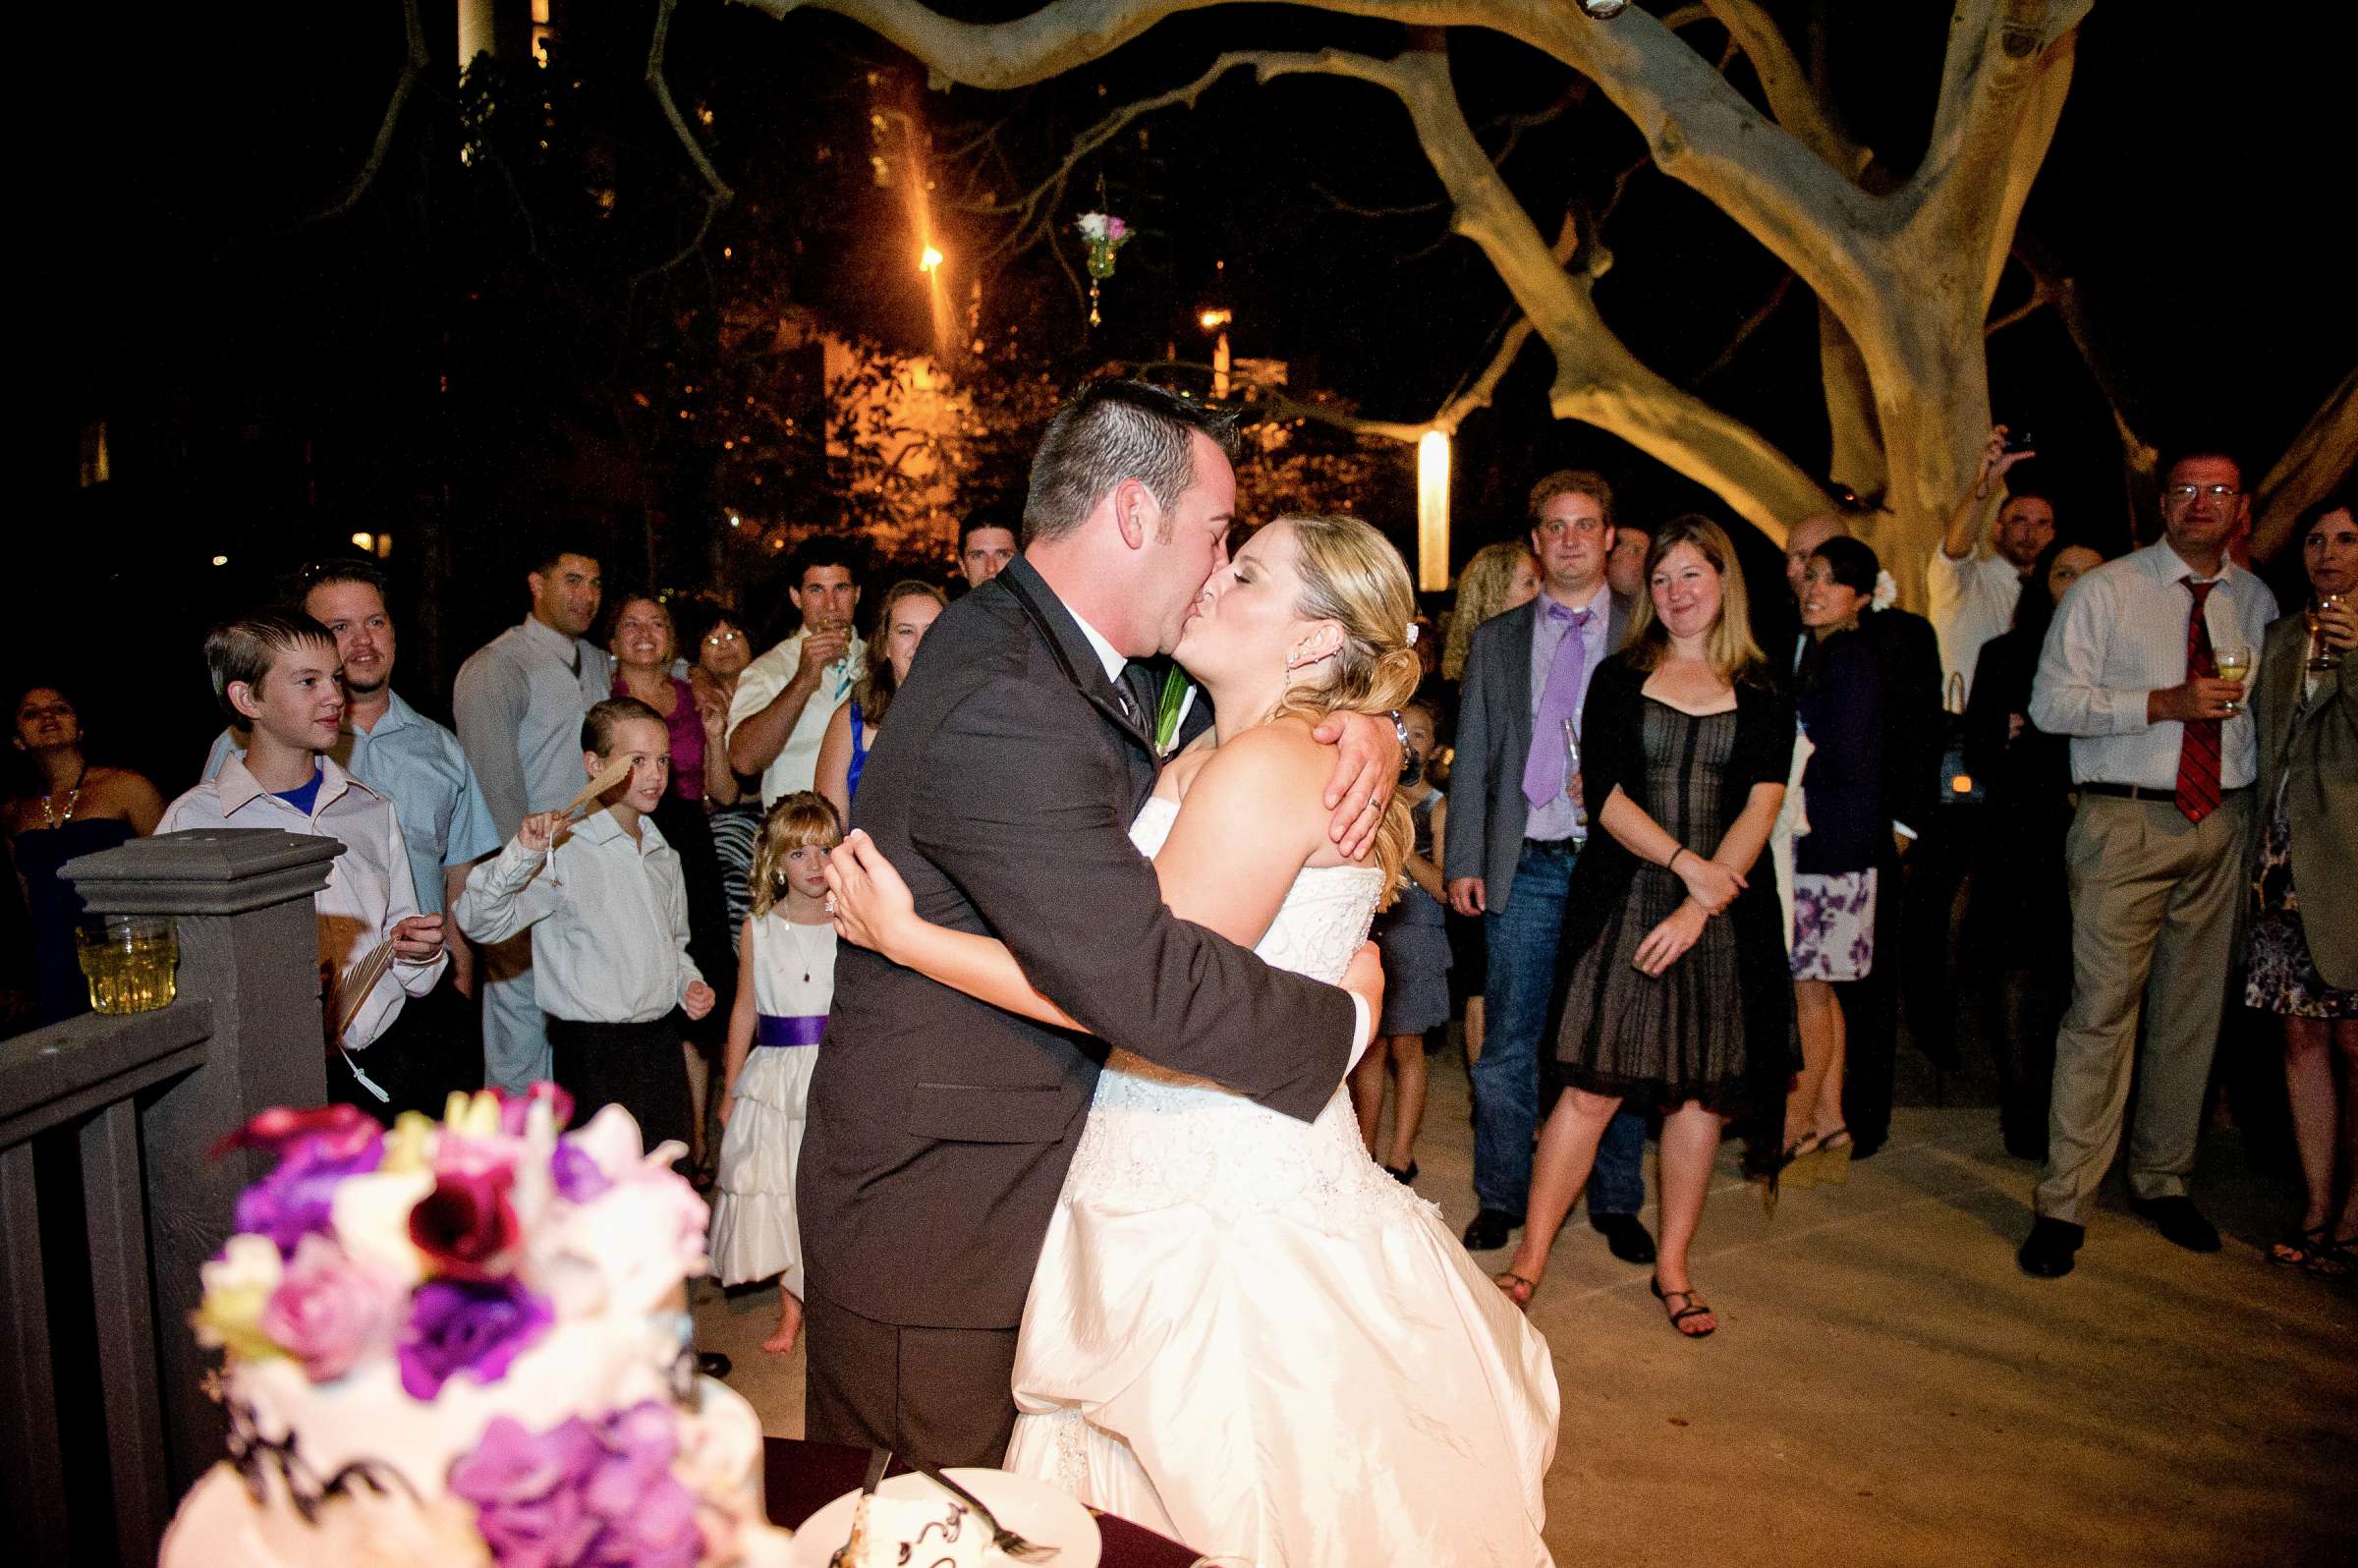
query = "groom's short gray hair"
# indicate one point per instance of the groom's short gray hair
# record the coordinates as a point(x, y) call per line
point(1115, 430)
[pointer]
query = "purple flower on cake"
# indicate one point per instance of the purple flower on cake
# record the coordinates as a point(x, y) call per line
point(466, 1224)
point(294, 1200)
point(578, 1178)
point(581, 1494)
point(474, 1326)
point(327, 1311)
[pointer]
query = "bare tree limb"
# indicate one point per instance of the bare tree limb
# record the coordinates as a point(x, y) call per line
point(1743, 333)
point(717, 193)
point(414, 66)
point(1785, 84)
point(2320, 457)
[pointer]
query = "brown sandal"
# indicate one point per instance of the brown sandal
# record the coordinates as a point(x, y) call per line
point(1678, 1316)
point(1515, 1288)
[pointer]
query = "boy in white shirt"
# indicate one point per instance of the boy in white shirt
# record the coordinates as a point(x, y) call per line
point(276, 672)
point(608, 912)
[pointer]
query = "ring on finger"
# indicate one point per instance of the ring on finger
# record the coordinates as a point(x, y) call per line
point(830, 904)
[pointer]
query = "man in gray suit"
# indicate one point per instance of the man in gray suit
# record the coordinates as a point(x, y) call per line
point(1516, 827)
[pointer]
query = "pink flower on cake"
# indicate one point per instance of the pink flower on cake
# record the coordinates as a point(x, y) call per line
point(465, 1225)
point(474, 1326)
point(318, 1153)
point(327, 1311)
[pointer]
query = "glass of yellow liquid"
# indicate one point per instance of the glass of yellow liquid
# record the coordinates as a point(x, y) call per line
point(129, 961)
point(2234, 663)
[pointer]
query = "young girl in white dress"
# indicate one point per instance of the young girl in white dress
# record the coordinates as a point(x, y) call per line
point(785, 984)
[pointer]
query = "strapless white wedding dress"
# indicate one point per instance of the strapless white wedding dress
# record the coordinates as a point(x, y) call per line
point(1245, 1334)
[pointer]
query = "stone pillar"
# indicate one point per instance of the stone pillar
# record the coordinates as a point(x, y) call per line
point(241, 905)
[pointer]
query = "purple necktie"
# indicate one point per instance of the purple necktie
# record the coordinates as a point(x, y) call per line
point(1559, 700)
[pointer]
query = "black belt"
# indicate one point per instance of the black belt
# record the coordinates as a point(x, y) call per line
point(1551, 846)
point(2140, 792)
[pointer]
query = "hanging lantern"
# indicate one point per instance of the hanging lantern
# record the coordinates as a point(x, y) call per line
point(1103, 235)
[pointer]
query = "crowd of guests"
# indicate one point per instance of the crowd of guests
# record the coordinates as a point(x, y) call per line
point(1661, 865)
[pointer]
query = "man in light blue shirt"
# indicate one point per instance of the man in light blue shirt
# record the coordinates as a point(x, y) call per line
point(446, 826)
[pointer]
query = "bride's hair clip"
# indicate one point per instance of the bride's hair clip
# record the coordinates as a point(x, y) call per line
point(1412, 634)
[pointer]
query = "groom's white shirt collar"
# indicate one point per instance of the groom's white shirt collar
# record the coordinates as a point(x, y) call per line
point(1108, 655)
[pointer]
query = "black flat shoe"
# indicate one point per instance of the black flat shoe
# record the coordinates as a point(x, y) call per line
point(2047, 1252)
point(1403, 1177)
point(1626, 1237)
point(1491, 1229)
point(2178, 1221)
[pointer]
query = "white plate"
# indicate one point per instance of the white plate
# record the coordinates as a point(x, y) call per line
point(1031, 1509)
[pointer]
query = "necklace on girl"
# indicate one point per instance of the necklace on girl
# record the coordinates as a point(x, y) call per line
point(57, 819)
point(794, 935)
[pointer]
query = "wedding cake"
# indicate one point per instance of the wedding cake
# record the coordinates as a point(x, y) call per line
point(466, 1343)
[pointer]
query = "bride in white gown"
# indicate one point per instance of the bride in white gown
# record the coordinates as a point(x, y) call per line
point(1241, 1332)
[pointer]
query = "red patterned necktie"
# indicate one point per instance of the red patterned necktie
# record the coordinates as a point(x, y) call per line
point(2198, 751)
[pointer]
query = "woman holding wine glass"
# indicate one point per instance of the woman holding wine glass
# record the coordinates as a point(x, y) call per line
point(2301, 944)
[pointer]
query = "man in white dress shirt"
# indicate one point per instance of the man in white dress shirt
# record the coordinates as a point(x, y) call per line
point(2163, 754)
point(519, 703)
point(786, 697)
point(1972, 593)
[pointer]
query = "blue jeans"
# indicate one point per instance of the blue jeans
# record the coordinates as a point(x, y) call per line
point(1524, 941)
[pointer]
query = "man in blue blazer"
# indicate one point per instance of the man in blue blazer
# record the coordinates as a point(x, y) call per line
point(1516, 827)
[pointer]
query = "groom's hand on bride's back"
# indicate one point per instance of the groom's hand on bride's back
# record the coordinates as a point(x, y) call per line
point(1366, 764)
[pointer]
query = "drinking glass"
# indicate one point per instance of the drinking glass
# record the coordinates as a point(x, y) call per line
point(128, 961)
point(2234, 662)
point(2322, 657)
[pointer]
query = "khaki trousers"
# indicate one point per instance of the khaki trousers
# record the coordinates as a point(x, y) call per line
point(2152, 915)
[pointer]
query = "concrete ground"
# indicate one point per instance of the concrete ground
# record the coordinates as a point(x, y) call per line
point(1885, 1387)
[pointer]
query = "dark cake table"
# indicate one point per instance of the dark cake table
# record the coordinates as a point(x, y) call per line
point(802, 1478)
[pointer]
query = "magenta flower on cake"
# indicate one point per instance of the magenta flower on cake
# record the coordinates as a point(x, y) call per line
point(582, 1493)
point(295, 1200)
point(468, 1325)
point(327, 1311)
point(466, 1224)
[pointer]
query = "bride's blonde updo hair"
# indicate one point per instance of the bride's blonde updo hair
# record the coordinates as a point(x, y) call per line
point(1353, 576)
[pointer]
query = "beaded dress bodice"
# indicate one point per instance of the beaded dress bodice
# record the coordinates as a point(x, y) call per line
point(1156, 1138)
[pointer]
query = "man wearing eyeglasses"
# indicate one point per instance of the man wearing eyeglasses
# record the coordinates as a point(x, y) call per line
point(2163, 755)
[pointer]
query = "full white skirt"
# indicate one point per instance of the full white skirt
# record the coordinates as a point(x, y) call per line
point(754, 1231)
point(1246, 1335)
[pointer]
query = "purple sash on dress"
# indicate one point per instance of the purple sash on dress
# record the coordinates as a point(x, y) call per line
point(769, 1028)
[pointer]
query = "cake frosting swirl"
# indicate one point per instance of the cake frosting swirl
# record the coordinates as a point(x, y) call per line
point(467, 1342)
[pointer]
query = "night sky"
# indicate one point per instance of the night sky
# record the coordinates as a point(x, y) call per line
point(267, 392)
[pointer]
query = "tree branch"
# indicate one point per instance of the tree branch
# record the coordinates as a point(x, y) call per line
point(2320, 457)
point(1785, 84)
point(413, 66)
point(717, 193)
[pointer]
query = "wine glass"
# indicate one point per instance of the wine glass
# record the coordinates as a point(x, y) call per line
point(2234, 663)
point(2322, 657)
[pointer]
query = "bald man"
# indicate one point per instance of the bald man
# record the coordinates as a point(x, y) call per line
point(1908, 656)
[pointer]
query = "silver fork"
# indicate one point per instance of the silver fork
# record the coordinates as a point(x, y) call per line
point(1007, 1541)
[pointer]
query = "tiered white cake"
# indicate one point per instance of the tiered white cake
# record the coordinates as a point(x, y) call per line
point(465, 1343)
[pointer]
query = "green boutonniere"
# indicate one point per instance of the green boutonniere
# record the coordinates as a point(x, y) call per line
point(1167, 709)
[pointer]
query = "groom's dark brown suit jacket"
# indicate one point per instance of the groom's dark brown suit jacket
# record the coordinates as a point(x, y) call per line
point(1002, 788)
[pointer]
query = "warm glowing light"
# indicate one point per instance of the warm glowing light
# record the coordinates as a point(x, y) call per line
point(929, 260)
point(1963, 784)
point(1213, 320)
point(364, 542)
point(220, 560)
point(1433, 511)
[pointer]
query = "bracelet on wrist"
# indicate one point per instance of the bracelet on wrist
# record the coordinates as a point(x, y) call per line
point(1672, 862)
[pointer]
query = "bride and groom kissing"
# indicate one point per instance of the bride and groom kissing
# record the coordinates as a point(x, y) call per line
point(1082, 1186)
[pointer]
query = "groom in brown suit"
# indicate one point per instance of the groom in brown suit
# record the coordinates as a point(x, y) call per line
point(1002, 791)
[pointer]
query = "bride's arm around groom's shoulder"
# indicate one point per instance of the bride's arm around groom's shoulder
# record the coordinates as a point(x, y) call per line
point(1024, 801)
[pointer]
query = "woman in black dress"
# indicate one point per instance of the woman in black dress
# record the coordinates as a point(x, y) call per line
point(1677, 997)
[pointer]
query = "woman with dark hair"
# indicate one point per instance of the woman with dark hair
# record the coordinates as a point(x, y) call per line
point(69, 808)
point(1677, 997)
point(2301, 942)
point(1839, 709)
point(909, 609)
point(2020, 915)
